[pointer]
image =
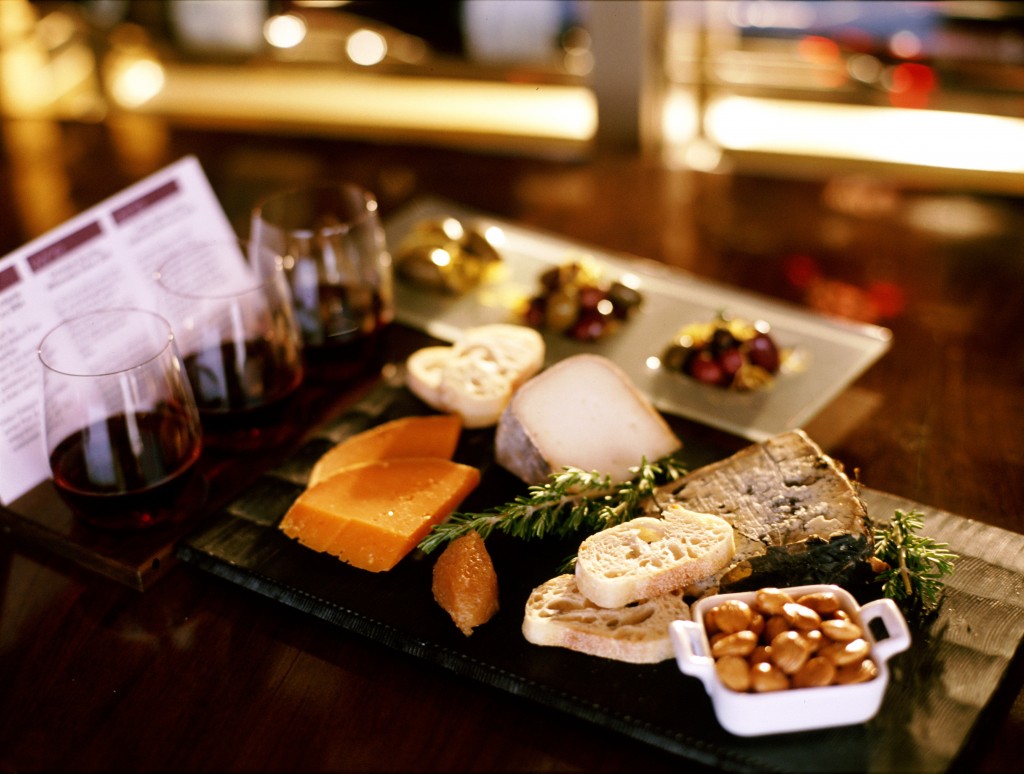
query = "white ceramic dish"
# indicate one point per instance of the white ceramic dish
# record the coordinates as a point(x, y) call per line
point(795, 709)
point(837, 351)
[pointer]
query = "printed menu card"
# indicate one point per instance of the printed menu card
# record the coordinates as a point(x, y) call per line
point(103, 258)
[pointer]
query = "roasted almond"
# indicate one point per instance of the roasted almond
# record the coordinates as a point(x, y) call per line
point(801, 616)
point(733, 615)
point(734, 672)
point(735, 644)
point(860, 672)
point(841, 631)
point(767, 677)
point(814, 673)
point(789, 652)
point(771, 600)
point(821, 602)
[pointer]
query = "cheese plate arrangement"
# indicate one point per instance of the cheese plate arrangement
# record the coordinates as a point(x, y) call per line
point(644, 309)
point(412, 553)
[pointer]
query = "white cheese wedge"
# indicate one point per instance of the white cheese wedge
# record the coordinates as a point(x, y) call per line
point(583, 412)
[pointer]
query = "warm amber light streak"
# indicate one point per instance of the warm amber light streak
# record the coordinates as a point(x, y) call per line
point(932, 138)
point(332, 99)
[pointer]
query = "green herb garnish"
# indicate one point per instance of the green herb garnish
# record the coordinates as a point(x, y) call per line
point(571, 501)
point(916, 564)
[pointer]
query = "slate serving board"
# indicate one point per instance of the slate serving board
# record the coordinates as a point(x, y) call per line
point(940, 691)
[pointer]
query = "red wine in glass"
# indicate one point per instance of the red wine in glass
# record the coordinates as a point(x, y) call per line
point(121, 426)
point(332, 246)
point(134, 477)
point(231, 309)
point(241, 392)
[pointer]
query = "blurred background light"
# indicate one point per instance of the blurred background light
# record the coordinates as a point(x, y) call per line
point(366, 47)
point(133, 82)
point(284, 30)
point(966, 141)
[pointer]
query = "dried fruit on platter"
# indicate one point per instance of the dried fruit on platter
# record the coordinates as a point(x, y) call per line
point(575, 300)
point(730, 353)
point(465, 584)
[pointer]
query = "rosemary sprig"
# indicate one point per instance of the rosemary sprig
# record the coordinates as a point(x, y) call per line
point(571, 501)
point(916, 564)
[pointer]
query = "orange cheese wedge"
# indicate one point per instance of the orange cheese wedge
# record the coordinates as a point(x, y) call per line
point(372, 514)
point(427, 436)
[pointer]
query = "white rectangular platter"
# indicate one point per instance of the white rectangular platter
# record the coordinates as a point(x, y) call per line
point(836, 351)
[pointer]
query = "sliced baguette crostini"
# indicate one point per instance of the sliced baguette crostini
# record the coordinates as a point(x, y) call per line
point(476, 377)
point(558, 615)
point(647, 556)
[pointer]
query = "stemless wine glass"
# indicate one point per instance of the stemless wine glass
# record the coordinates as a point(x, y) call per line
point(231, 310)
point(333, 247)
point(121, 426)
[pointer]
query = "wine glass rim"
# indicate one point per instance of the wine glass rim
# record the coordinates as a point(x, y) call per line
point(258, 280)
point(365, 213)
point(159, 351)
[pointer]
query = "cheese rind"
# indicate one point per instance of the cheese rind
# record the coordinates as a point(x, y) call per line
point(372, 514)
point(414, 436)
point(583, 412)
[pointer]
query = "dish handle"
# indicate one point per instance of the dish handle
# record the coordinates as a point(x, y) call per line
point(689, 644)
point(896, 638)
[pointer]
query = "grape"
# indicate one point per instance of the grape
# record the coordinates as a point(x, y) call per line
point(590, 326)
point(590, 297)
point(730, 360)
point(761, 351)
point(704, 368)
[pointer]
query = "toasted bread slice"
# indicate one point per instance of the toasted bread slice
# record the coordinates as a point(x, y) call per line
point(648, 556)
point(558, 615)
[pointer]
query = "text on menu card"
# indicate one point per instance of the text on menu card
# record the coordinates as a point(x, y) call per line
point(103, 258)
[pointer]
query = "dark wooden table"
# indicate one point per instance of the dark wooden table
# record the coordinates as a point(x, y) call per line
point(197, 674)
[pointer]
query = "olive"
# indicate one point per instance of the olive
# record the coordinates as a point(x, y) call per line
point(479, 247)
point(551, 279)
point(723, 339)
point(536, 312)
point(562, 310)
point(624, 298)
point(676, 356)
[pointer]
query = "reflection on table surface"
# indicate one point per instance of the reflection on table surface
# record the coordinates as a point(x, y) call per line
point(194, 673)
